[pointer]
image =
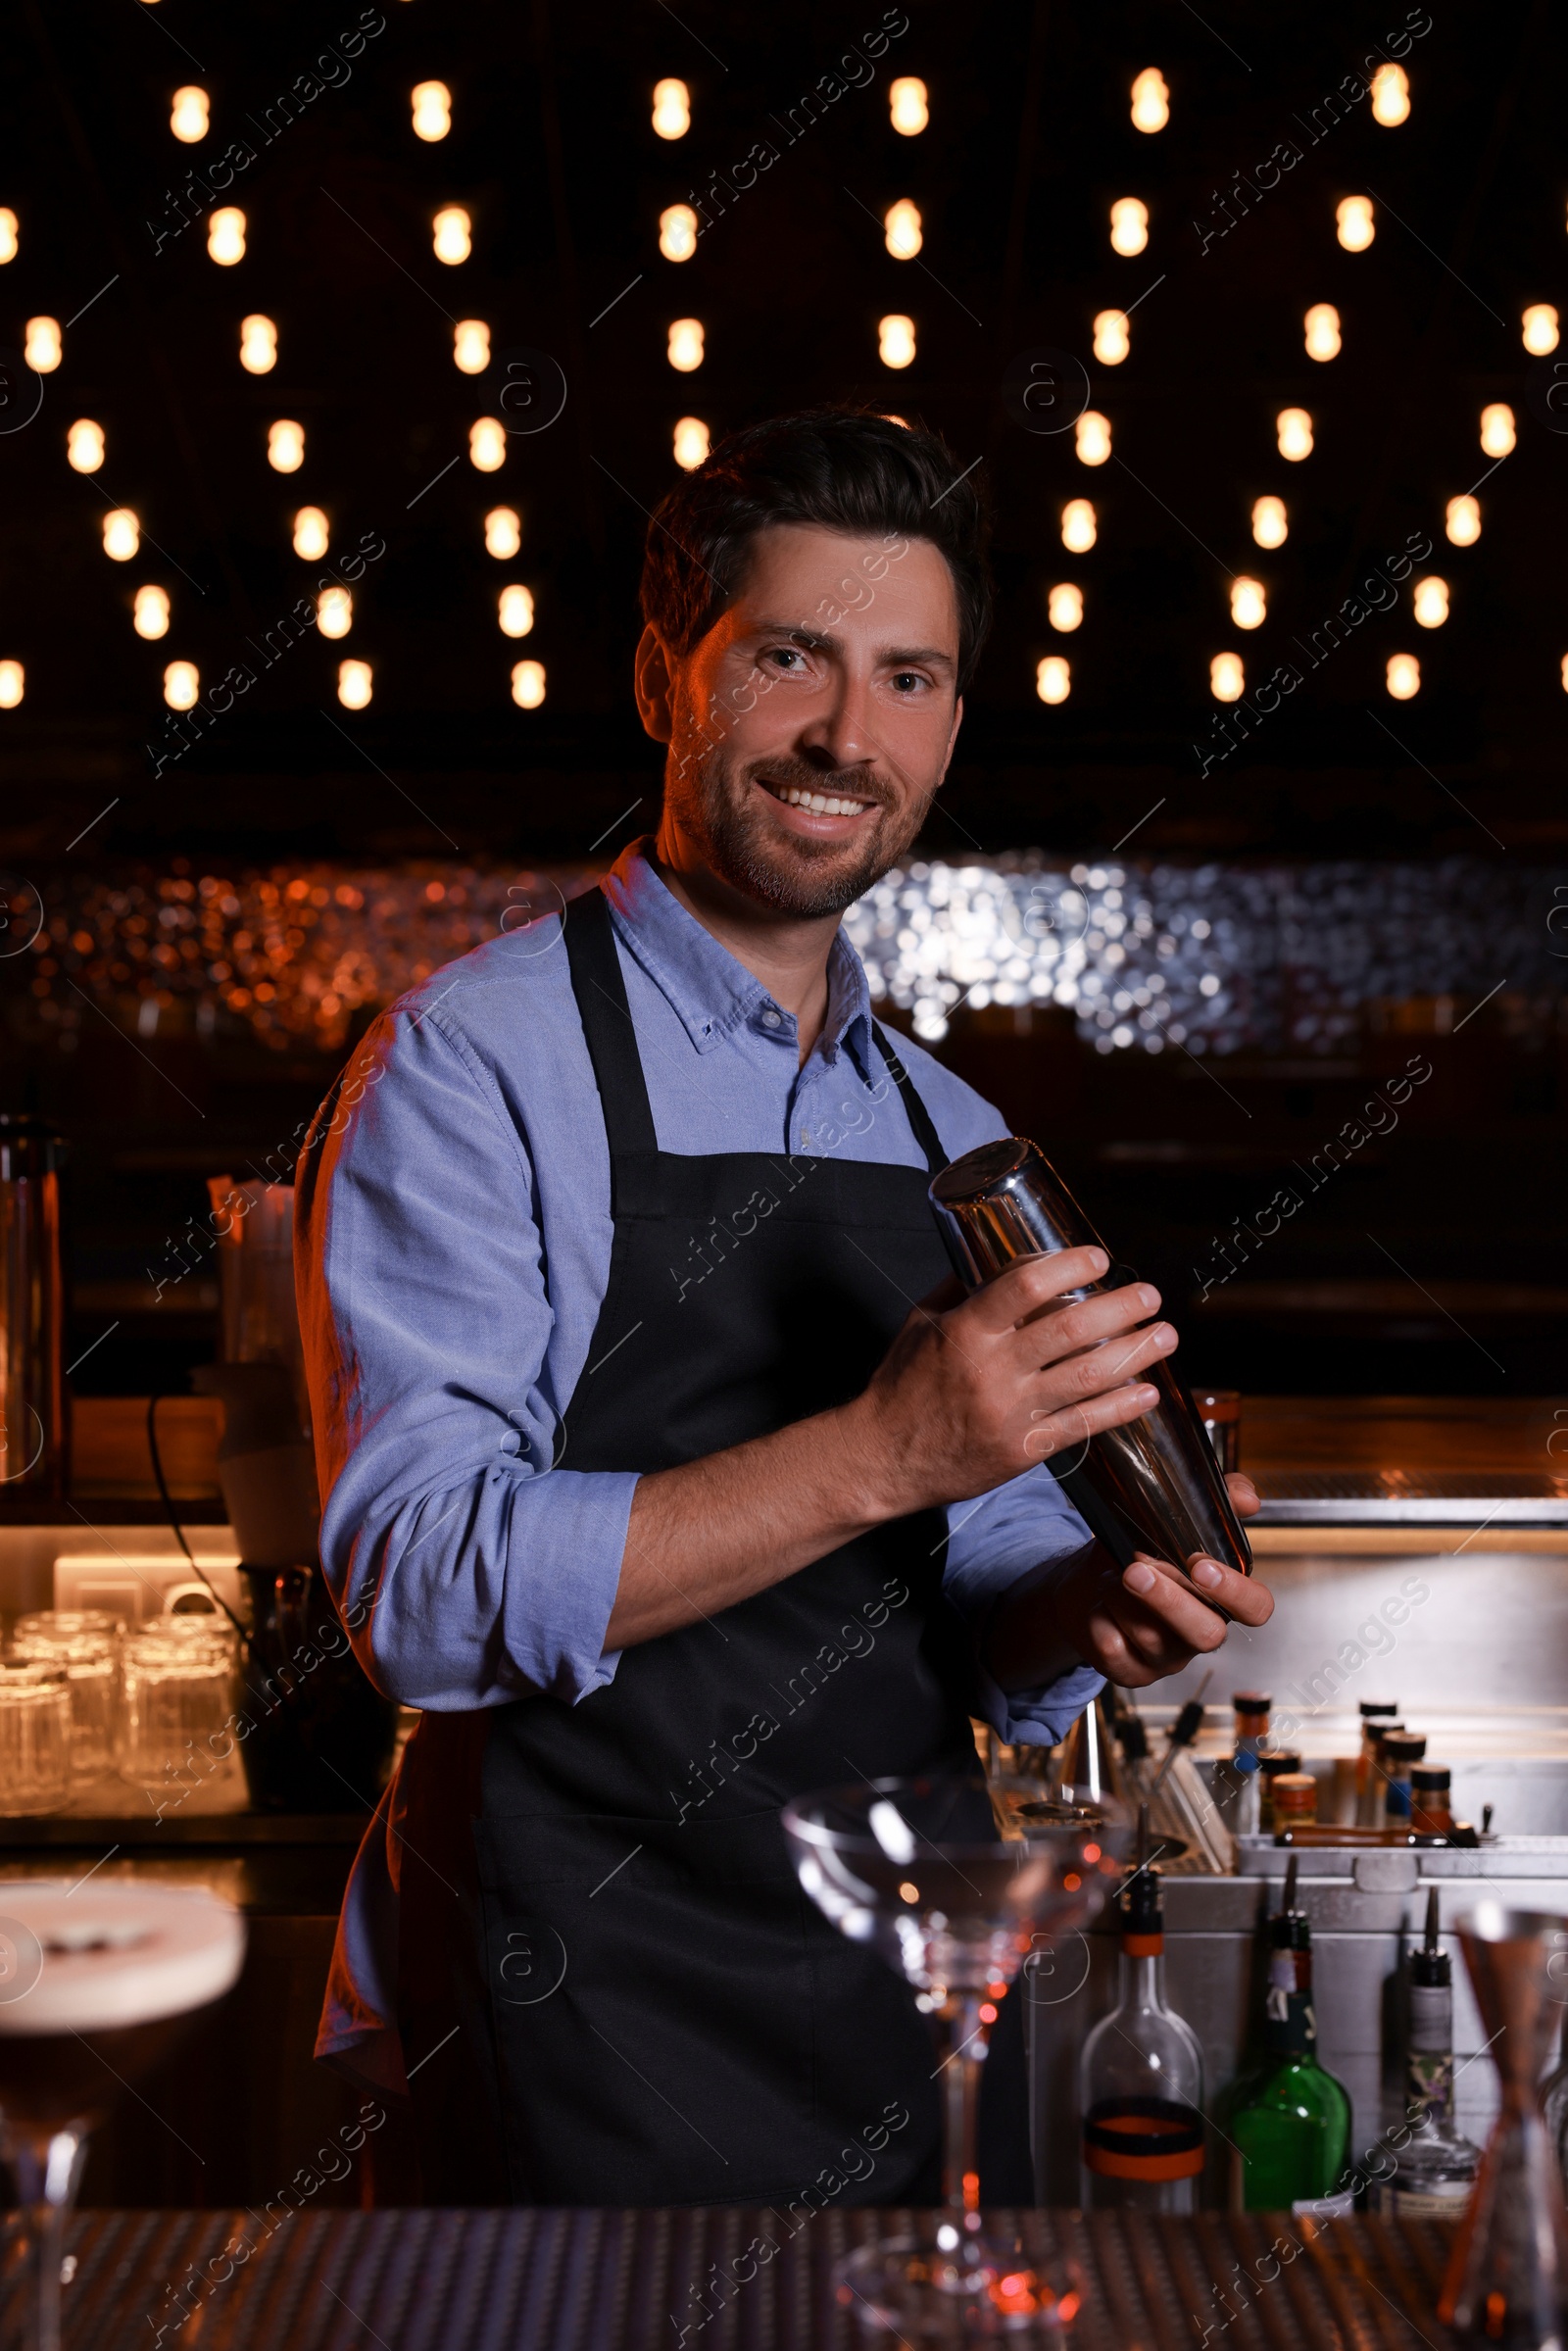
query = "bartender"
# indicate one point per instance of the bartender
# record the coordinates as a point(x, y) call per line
point(665, 1469)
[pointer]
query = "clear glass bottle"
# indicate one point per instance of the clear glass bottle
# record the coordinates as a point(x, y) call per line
point(1377, 1715)
point(1290, 2119)
point(1141, 2078)
point(1435, 2170)
point(1237, 1793)
point(1270, 1769)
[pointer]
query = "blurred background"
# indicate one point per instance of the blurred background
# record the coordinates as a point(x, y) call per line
point(343, 358)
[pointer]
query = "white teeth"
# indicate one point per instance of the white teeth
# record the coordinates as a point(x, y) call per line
point(819, 802)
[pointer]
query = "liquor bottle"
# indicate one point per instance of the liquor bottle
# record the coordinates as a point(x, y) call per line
point(1270, 1769)
point(1237, 1793)
point(1431, 1801)
point(1141, 2077)
point(1435, 2170)
point(1290, 2120)
point(1399, 1752)
point(1377, 1714)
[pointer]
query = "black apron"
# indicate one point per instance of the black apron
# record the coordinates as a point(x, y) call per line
point(612, 1990)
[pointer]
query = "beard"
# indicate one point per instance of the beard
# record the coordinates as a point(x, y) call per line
point(717, 808)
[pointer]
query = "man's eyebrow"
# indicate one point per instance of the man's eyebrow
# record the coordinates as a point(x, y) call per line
point(819, 640)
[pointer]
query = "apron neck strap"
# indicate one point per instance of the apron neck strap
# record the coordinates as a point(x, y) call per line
point(600, 987)
point(921, 1124)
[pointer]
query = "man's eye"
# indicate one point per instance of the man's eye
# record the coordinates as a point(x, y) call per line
point(907, 679)
point(787, 653)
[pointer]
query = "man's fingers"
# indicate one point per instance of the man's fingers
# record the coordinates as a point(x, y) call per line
point(1071, 1427)
point(1241, 1596)
point(1010, 1298)
point(1245, 1499)
point(1171, 1604)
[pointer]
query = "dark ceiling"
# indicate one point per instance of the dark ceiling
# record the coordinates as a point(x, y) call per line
point(552, 154)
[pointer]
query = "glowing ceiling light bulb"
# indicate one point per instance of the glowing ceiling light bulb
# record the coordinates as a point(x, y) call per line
point(527, 684)
point(1249, 602)
point(1053, 678)
point(84, 446)
point(1429, 599)
point(1150, 107)
point(685, 344)
point(310, 533)
point(182, 683)
point(902, 225)
point(121, 534)
point(1322, 324)
point(1538, 326)
point(1356, 226)
point(1129, 225)
point(677, 232)
point(503, 532)
point(470, 346)
point(1391, 96)
point(673, 109)
point(1065, 607)
point(487, 444)
point(1092, 438)
point(42, 346)
point(1293, 427)
point(1227, 679)
point(1078, 528)
point(908, 108)
point(1462, 520)
point(1271, 525)
point(9, 228)
point(1404, 675)
point(1113, 337)
point(1497, 434)
point(285, 446)
point(431, 102)
point(226, 236)
point(895, 340)
point(516, 610)
point(691, 444)
point(354, 684)
point(334, 612)
point(149, 615)
point(13, 684)
point(451, 234)
point(257, 345)
point(187, 116)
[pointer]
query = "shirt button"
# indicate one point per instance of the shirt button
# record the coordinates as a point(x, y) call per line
point(772, 1019)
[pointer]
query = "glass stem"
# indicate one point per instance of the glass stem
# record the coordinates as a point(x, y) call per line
point(967, 2041)
point(47, 2169)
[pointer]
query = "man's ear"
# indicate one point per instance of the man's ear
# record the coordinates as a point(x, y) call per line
point(654, 685)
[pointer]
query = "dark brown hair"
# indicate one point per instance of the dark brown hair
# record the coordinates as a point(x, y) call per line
point(844, 468)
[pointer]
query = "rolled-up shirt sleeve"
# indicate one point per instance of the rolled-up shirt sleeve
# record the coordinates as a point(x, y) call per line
point(470, 1564)
point(1019, 1533)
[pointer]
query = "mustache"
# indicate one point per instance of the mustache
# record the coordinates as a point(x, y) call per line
point(851, 783)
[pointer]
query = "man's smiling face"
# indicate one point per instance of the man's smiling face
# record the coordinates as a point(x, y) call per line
point(810, 728)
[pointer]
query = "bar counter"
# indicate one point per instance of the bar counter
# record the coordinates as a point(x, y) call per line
point(588, 2280)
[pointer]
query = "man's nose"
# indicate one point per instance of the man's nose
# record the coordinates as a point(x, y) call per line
point(840, 733)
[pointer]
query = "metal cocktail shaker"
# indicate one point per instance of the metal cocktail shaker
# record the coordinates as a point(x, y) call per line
point(1152, 1485)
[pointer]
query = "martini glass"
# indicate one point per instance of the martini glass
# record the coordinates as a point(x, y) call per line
point(921, 1871)
point(97, 1983)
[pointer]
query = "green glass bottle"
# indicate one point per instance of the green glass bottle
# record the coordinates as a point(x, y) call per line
point(1290, 2120)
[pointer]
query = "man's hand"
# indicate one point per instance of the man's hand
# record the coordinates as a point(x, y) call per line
point(977, 1388)
point(1134, 1625)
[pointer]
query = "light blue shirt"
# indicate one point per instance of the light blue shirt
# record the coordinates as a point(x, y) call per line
point(453, 1238)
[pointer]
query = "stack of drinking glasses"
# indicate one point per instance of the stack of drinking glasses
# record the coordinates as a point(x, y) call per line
point(178, 1690)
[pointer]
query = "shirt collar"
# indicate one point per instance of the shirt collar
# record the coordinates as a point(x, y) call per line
point(710, 993)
